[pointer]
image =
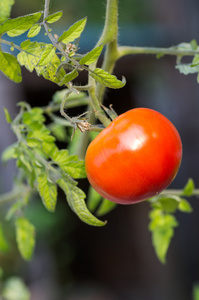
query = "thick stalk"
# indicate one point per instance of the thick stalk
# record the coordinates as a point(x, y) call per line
point(128, 50)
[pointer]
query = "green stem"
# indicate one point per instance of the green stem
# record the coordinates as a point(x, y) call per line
point(128, 50)
point(179, 192)
point(110, 30)
point(46, 8)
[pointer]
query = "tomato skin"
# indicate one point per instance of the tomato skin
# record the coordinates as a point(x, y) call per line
point(136, 157)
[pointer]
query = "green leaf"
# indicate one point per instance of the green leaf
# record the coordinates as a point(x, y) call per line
point(107, 79)
point(91, 56)
point(189, 188)
point(17, 26)
point(54, 17)
point(162, 228)
point(33, 115)
point(70, 164)
point(105, 207)
point(187, 68)
point(30, 58)
point(194, 45)
point(5, 9)
point(168, 204)
point(47, 55)
point(8, 153)
point(15, 289)
point(185, 206)
point(196, 291)
point(34, 31)
point(10, 66)
point(48, 191)
point(73, 32)
point(7, 115)
point(69, 77)
point(25, 235)
point(3, 242)
point(75, 198)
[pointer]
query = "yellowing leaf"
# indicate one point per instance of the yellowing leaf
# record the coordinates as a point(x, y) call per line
point(25, 235)
point(10, 66)
point(48, 191)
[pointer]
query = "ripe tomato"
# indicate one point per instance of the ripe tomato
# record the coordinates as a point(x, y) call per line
point(136, 157)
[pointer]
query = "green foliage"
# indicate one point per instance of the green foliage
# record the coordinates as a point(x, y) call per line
point(15, 289)
point(196, 291)
point(10, 67)
point(3, 242)
point(91, 56)
point(73, 32)
point(25, 236)
point(17, 26)
point(107, 79)
point(5, 9)
point(54, 17)
point(162, 220)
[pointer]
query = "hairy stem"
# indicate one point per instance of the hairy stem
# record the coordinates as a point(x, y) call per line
point(176, 51)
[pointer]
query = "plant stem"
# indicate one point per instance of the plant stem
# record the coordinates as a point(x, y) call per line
point(46, 8)
point(179, 192)
point(176, 51)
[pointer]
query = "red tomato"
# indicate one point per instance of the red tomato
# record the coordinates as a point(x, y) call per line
point(136, 157)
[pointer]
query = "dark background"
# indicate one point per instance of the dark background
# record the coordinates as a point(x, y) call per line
point(74, 261)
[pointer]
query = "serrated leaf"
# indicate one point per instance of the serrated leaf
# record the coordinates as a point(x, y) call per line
point(107, 79)
point(75, 198)
point(3, 242)
point(15, 289)
point(7, 115)
point(10, 66)
point(54, 17)
point(105, 207)
point(47, 55)
point(194, 45)
point(189, 188)
point(17, 26)
point(162, 228)
point(91, 56)
point(5, 9)
point(70, 164)
point(69, 77)
point(73, 32)
point(185, 206)
point(31, 56)
point(34, 31)
point(48, 191)
point(25, 236)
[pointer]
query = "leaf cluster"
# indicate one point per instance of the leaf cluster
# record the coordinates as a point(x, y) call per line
point(43, 168)
point(163, 220)
point(57, 61)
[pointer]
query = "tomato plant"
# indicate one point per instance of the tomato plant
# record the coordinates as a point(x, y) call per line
point(135, 157)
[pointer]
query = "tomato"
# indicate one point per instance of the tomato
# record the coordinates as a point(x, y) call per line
point(136, 157)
